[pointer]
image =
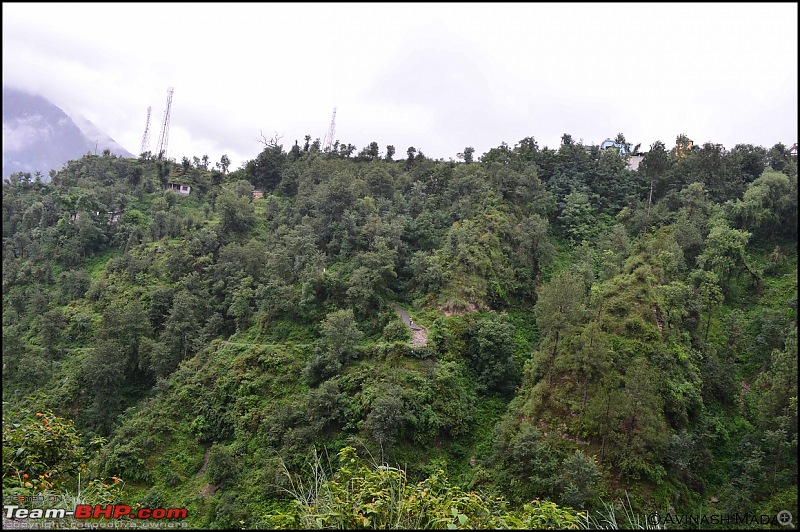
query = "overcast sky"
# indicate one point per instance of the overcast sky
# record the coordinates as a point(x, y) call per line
point(438, 77)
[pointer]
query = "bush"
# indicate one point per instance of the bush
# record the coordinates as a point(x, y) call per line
point(321, 366)
point(490, 351)
point(387, 415)
point(360, 495)
point(327, 405)
point(43, 455)
point(397, 331)
point(40, 448)
point(340, 333)
point(221, 464)
point(577, 480)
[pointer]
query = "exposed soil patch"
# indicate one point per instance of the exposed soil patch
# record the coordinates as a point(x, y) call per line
point(452, 309)
point(210, 489)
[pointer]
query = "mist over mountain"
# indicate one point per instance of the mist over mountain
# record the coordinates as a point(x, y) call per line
point(40, 136)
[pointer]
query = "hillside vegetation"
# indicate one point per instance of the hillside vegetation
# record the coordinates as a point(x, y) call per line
point(593, 334)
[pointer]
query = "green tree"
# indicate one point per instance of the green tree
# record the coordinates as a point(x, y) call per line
point(535, 246)
point(90, 236)
point(467, 154)
point(236, 211)
point(490, 351)
point(182, 329)
point(410, 159)
point(769, 205)
point(379, 181)
point(560, 307)
point(578, 480)
point(638, 439)
point(750, 160)
point(327, 406)
point(527, 151)
point(654, 168)
point(709, 296)
point(104, 381)
point(396, 331)
point(370, 282)
point(452, 399)
point(340, 333)
point(779, 160)
point(673, 299)
point(51, 328)
point(135, 176)
point(373, 152)
point(322, 365)
point(387, 414)
point(724, 253)
point(534, 464)
point(126, 323)
point(577, 218)
point(221, 464)
point(777, 386)
point(241, 307)
point(475, 261)
point(612, 184)
point(589, 356)
point(224, 163)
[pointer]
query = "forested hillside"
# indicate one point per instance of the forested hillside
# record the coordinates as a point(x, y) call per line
point(588, 333)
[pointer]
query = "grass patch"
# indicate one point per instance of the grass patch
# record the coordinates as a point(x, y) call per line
point(96, 264)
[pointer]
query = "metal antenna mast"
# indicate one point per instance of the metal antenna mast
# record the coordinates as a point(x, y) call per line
point(146, 138)
point(163, 137)
point(326, 144)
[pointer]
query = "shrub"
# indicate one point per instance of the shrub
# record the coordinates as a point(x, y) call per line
point(361, 495)
point(396, 331)
point(221, 464)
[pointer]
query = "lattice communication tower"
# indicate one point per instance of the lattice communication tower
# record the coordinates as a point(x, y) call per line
point(163, 137)
point(146, 137)
point(328, 142)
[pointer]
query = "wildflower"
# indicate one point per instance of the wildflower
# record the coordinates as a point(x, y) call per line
point(115, 479)
point(25, 475)
point(39, 414)
point(105, 485)
point(45, 421)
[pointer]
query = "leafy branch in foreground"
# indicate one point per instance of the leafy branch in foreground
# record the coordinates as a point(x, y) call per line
point(362, 495)
point(43, 460)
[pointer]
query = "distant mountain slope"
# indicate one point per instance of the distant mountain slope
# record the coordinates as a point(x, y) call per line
point(39, 136)
point(92, 133)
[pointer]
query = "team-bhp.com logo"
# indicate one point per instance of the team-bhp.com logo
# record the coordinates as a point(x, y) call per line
point(88, 511)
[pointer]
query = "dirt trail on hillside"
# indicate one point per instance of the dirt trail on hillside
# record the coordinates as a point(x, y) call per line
point(419, 335)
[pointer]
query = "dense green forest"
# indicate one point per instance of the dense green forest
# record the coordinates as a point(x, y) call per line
point(587, 333)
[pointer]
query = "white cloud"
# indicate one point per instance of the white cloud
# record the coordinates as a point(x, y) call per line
point(436, 76)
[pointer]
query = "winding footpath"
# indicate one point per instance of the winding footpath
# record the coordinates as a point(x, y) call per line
point(419, 335)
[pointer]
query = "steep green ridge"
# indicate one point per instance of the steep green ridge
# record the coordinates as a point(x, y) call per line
point(592, 331)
